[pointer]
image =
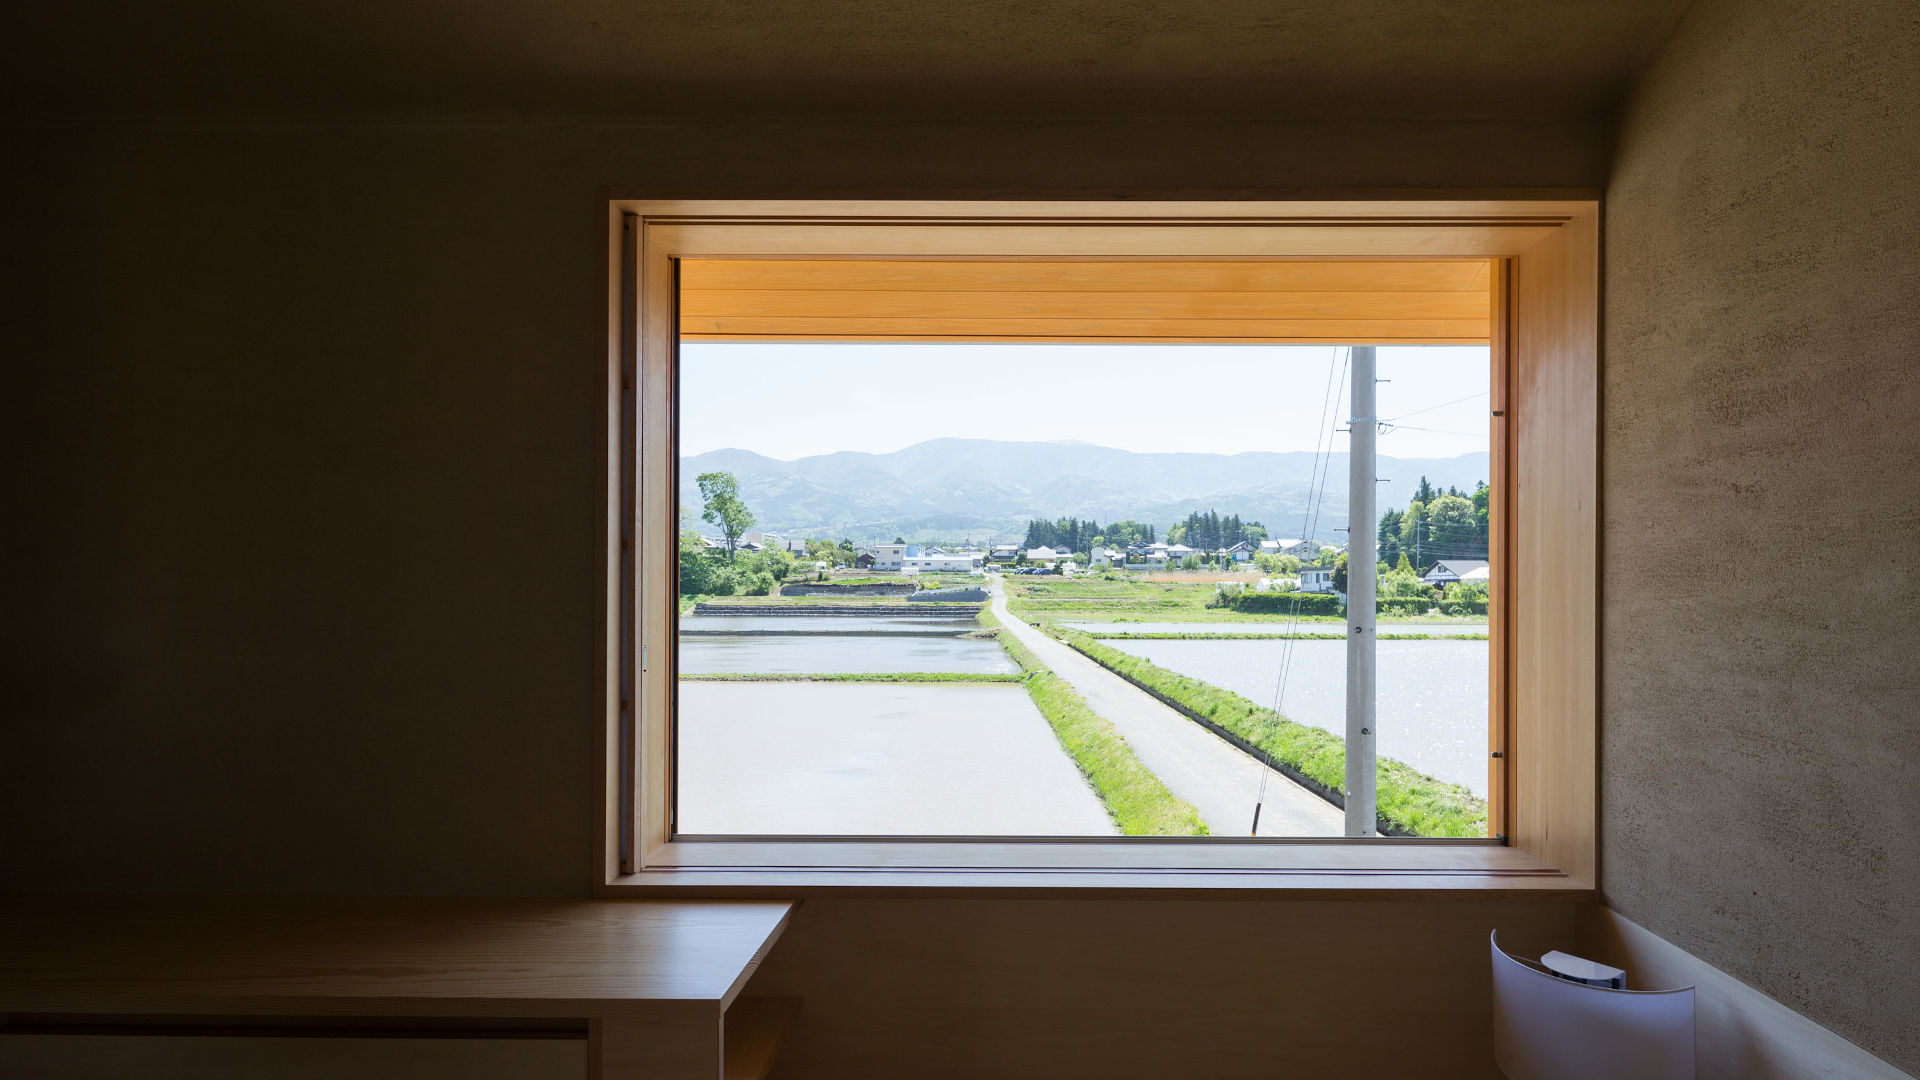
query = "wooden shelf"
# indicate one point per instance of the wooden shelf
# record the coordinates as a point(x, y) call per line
point(652, 986)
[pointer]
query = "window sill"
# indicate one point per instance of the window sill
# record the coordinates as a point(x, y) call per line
point(1378, 869)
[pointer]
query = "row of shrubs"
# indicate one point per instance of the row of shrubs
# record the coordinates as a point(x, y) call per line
point(1278, 603)
point(712, 575)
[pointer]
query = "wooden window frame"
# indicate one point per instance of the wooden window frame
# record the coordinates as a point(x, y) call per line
point(1544, 337)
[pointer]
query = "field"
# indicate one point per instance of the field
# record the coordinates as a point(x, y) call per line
point(1162, 597)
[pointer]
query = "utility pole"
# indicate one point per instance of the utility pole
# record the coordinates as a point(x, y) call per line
point(1361, 587)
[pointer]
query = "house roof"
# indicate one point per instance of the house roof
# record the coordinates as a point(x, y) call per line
point(1456, 567)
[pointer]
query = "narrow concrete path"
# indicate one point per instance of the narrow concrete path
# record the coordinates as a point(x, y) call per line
point(1218, 778)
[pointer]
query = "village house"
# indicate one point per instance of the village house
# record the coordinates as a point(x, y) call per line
point(1317, 579)
point(1448, 571)
point(1304, 550)
point(953, 562)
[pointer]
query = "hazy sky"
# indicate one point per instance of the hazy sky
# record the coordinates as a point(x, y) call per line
point(793, 400)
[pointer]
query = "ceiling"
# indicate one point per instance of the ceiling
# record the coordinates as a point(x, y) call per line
point(1431, 302)
point(1267, 59)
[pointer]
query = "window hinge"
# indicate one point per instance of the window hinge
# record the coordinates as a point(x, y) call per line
point(1498, 753)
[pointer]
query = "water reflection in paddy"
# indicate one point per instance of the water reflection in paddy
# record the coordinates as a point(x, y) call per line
point(817, 653)
point(830, 759)
point(827, 624)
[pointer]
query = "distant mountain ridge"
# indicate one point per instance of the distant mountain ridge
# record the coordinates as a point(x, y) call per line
point(987, 490)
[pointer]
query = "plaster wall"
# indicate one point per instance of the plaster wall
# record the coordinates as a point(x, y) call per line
point(307, 570)
point(1759, 742)
point(304, 579)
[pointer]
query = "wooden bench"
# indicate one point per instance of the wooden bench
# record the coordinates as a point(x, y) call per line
point(652, 988)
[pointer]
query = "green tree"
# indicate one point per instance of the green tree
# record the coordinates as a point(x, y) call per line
point(1389, 536)
point(1412, 534)
point(720, 494)
point(1451, 530)
point(1424, 493)
point(1340, 573)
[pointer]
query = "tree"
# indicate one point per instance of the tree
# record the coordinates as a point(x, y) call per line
point(1389, 535)
point(720, 494)
point(1340, 573)
point(1411, 533)
point(1451, 531)
point(1424, 493)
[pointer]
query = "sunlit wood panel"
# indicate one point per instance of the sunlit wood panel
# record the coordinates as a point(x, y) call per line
point(1364, 302)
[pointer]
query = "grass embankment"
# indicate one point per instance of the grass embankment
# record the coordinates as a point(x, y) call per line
point(1407, 798)
point(1278, 637)
point(857, 677)
point(1135, 798)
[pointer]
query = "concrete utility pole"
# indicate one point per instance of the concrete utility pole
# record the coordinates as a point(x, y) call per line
point(1361, 587)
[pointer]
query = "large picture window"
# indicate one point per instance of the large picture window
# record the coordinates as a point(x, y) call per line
point(953, 529)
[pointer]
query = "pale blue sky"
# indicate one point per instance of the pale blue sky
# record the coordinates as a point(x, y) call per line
point(790, 400)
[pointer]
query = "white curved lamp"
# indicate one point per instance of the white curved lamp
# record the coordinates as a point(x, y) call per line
point(1546, 1028)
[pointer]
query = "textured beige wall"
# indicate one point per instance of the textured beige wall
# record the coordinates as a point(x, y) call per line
point(307, 574)
point(1760, 700)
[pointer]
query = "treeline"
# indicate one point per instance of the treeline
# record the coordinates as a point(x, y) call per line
point(1436, 525)
point(1211, 532)
point(1082, 536)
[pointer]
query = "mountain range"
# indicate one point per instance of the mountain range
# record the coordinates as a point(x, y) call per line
point(946, 490)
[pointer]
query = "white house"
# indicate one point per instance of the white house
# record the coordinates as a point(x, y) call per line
point(892, 556)
point(1304, 550)
point(1176, 552)
point(1240, 552)
point(1148, 555)
point(1316, 579)
point(1448, 571)
point(1004, 553)
point(1106, 556)
point(945, 562)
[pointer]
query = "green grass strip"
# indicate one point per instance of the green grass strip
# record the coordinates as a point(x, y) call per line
point(1104, 636)
point(1135, 798)
point(1404, 796)
point(857, 677)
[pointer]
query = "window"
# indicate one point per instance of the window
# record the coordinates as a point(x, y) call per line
point(718, 319)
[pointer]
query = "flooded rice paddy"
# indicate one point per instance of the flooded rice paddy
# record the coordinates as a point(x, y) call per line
point(854, 644)
point(896, 759)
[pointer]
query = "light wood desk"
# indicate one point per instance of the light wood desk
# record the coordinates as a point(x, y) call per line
point(651, 985)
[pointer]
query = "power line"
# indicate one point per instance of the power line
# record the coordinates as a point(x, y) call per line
point(1442, 405)
point(1391, 428)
